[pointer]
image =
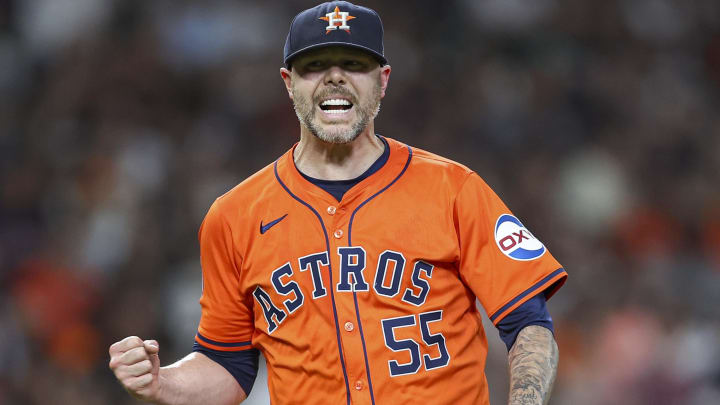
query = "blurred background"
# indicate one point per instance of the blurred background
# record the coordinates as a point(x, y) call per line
point(596, 121)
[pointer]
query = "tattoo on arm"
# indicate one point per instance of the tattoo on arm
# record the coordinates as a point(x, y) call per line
point(533, 366)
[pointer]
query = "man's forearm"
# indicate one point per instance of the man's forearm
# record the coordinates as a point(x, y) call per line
point(533, 366)
point(196, 379)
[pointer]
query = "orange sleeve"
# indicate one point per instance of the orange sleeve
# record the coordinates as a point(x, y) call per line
point(226, 323)
point(500, 260)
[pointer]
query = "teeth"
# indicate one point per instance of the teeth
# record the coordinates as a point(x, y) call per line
point(335, 111)
point(335, 101)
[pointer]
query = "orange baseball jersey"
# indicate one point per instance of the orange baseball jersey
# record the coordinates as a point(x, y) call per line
point(370, 300)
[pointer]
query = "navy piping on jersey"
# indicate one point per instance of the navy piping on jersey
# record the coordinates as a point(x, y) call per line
point(376, 194)
point(338, 188)
point(332, 295)
point(357, 308)
point(530, 290)
point(222, 344)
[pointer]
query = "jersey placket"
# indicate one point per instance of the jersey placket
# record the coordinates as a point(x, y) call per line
point(360, 200)
point(337, 218)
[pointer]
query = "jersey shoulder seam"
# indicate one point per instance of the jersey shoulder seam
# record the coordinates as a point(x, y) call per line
point(423, 154)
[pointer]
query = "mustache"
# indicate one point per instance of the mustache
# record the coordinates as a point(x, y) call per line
point(336, 92)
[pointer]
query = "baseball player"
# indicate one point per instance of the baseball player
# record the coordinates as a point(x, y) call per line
point(353, 262)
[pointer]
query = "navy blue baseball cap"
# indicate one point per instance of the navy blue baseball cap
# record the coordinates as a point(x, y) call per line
point(335, 23)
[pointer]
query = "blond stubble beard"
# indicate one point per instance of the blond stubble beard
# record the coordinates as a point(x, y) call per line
point(365, 112)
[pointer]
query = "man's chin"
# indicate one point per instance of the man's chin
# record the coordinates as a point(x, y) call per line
point(336, 138)
point(337, 134)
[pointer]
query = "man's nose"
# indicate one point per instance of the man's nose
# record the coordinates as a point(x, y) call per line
point(335, 76)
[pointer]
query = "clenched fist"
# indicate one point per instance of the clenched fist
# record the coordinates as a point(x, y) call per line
point(136, 364)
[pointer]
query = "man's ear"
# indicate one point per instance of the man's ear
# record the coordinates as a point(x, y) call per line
point(286, 75)
point(384, 79)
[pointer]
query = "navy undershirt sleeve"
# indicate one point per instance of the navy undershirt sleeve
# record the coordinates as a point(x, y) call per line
point(243, 365)
point(531, 312)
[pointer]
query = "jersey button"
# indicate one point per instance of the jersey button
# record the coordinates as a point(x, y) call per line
point(338, 234)
point(331, 210)
point(358, 385)
point(349, 326)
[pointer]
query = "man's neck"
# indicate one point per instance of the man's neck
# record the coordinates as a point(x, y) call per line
point(329, 161)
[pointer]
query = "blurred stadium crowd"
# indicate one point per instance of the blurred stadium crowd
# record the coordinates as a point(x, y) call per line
point(596, 121)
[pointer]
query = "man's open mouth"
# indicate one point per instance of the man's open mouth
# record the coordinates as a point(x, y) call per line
point(336, 106)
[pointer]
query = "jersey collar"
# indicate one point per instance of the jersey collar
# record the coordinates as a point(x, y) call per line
point(309, 192)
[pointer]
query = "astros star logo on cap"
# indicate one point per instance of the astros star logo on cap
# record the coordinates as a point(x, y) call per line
point(337, 19)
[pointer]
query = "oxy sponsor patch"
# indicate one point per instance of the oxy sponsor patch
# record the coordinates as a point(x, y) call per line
point(515, 241)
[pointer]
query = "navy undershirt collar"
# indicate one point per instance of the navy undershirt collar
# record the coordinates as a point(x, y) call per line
point(338, 188)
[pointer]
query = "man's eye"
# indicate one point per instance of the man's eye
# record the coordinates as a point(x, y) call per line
point(354, 64)
point(314, 64)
